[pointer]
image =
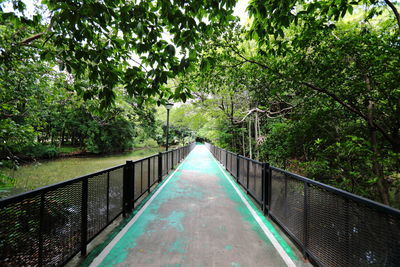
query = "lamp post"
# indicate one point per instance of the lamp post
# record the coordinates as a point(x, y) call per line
point(168, 106)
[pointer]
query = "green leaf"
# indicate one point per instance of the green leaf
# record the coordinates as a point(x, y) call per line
point(205, 65)
point(350, 9)
point(170, 49)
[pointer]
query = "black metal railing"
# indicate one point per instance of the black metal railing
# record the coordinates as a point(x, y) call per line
point(332, 227)
point(50, 225)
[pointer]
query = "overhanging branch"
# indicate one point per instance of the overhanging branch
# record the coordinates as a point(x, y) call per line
point(324, 91)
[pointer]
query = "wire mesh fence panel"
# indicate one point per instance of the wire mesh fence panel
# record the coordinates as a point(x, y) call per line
point(243, 171)
point(258, 182)
point(287, 203)
point(115, 193)
point(19, 232)
point(164, 163)
point(252, 179)
point(145, 175)
point(45, 226)
point(97, 204)
point(175, 157)
point(333, 227)
point(61, 223)
point(138, 179)
point(228, 162)
point(234, 165)
point(223, 157)
point(343, 232)
point(255, 180)
point(154, 168)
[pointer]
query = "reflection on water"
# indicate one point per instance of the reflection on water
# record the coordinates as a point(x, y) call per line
point(44, 173)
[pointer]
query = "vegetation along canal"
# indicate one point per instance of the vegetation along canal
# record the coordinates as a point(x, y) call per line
point(42, 173)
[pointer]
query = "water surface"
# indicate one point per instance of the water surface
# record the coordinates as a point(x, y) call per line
point(42, 173)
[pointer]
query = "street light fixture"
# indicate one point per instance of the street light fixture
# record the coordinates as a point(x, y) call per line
point(168, 106)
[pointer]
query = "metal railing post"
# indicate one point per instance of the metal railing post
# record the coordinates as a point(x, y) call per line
point(132, 185)
point(248, 173)
point(231, 162)
point(167, 155)
point(141, 176)
point(160, 167)
point(148, 176)
point(226, 160)
point(84, 216)
point(125, 190)
point(128, 187)
point(264, 187)
point(269, 189)
point(237, 167)
point(108, 196)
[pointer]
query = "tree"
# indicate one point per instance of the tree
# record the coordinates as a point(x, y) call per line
point(342, 82)
point(134, 44)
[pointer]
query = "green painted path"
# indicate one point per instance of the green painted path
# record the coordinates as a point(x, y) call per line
point(198, 217)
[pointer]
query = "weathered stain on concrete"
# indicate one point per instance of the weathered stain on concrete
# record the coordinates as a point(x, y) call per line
point(250, 219)
point(178, 246)
point(228, 247)
point(197, 220)
point(174, 220)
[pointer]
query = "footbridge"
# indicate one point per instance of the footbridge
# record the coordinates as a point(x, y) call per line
point(196, 206)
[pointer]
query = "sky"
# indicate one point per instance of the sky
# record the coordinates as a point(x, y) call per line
point(240, 11)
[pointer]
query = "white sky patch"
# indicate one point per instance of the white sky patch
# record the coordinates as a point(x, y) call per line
point(240, 11)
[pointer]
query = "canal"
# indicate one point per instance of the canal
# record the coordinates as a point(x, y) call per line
point(41, 173)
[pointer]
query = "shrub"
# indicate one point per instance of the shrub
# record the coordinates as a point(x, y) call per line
point(38, 150)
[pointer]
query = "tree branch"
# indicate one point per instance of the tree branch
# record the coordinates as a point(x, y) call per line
point(395, 11)
point(32, 38)
point(270, 114)
point(37, 36)
point(348, 106)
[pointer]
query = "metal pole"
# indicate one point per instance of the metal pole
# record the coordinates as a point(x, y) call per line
point(167, 128)
point(148, 176)
point(159, 167)
point(128, 187)
point(248, 172)
point(264, 187)
point(237, 168)
point(108, 196)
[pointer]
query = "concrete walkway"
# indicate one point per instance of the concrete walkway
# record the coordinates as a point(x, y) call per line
point(198, 217)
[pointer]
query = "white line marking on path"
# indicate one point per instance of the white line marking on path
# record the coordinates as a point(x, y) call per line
point(275, 243)
point(96, 262)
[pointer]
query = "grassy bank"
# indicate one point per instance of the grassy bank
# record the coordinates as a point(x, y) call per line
point(42, 173)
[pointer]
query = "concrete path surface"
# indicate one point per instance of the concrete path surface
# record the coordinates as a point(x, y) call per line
point(198, 217)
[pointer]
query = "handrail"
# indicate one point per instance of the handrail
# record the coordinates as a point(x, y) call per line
point(372, 203)
point(332, 227)
point(47, 188)
point(50, 225)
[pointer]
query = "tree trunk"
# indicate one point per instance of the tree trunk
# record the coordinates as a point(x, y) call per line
point(257, 134)
point(250, 152)
point(383, 186)
point(62, 138)
point(73, 139)
point(244, 144)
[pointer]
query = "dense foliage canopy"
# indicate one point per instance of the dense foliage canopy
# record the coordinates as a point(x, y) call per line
point(312, 86)
point(320, 97)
